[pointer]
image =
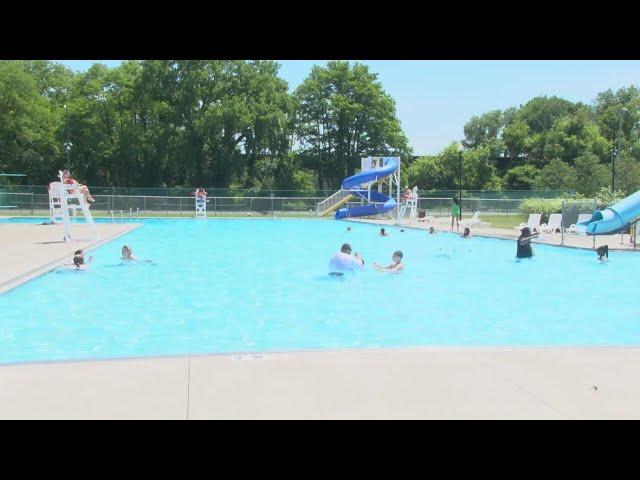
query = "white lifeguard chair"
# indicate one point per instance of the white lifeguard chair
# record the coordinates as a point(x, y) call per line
point(411, 204)
point(62, 201)
point(201, 206)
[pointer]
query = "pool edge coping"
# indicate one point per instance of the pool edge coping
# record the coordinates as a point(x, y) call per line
point(46, 268)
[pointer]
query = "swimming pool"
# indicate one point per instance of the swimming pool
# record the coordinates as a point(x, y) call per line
point(239, 285)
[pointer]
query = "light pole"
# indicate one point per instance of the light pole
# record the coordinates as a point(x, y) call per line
point(68, 144)
point(460, 149)
point(617, 151)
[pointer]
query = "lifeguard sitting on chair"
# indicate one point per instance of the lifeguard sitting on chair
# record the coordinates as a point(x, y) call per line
point(66, 179)
point(201, 195)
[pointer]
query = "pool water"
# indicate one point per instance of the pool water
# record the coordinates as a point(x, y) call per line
point(239, 285)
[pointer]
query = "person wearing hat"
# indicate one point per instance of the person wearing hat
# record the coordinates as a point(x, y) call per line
point(524, 243)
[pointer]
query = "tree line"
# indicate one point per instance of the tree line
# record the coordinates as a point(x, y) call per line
point(548, 143)
point(235, 124)
point(227, 124)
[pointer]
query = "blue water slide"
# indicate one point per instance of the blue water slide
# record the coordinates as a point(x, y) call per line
point(613, 219)
point(380, 203)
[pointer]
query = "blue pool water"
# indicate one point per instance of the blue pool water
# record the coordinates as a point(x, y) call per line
point(262, 285)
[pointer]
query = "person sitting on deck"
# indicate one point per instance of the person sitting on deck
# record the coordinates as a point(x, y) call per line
point(343, 262)
point(66, 178)
point(395, 267)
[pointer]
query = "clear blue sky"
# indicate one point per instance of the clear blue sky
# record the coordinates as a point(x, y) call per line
point(434, 99)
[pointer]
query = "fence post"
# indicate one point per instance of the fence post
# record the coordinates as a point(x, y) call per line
point(31, 203)
point(595, 205)
point(145, 203)
point(562, 224)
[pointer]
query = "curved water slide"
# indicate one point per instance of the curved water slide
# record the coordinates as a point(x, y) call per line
point(613, 219)
point(378, 202)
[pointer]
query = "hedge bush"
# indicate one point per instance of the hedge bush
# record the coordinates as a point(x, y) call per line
point(541, 205)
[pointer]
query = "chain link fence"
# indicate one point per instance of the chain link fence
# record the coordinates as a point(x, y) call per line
point(441, 207)
point(571, 212)
point(132, 205)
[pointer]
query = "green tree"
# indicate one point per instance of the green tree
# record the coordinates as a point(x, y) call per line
point(429, 173)
point(590, 175)
point(27, 124)
point(343, 114)
point(522, 177)
point(556, 175)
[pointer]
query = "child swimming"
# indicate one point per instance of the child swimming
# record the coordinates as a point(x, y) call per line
point(127, 253)
point(603, 253)
point(395, 267)
point(78, 260)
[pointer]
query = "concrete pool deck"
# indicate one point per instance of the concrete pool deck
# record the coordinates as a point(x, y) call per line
point(29, 250)
point(615, 242)
point(419, 383)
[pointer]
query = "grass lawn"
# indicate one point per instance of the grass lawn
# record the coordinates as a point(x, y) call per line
point(503, 221)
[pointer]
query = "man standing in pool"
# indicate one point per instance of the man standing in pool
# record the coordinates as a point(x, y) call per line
point(343, 262)
point(524, 243)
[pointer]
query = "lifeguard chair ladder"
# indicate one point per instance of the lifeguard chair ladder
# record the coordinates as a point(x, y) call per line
point(411, 204)
point(62, 199)
point(201, 207)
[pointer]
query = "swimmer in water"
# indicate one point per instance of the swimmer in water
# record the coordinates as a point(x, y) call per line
point(383, 233)
point(603, 253)
point(524, 249)
point(78, 260)
point(343, 262)
point(348, 229)
point(127, 253)
point(395, 267)
point(432, 231)
point(466, 233)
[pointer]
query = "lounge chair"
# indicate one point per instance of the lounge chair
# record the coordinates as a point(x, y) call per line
point(555, 223)
point(533, 222)
point(583, 217)
point(474, 221)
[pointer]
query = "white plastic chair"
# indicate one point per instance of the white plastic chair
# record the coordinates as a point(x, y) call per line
point(474, 221)
point(583, 217)
point(555, 223)
point(533, 222)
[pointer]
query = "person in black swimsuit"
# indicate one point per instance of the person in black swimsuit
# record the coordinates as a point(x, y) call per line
point(524, 243)
point(603, 253)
